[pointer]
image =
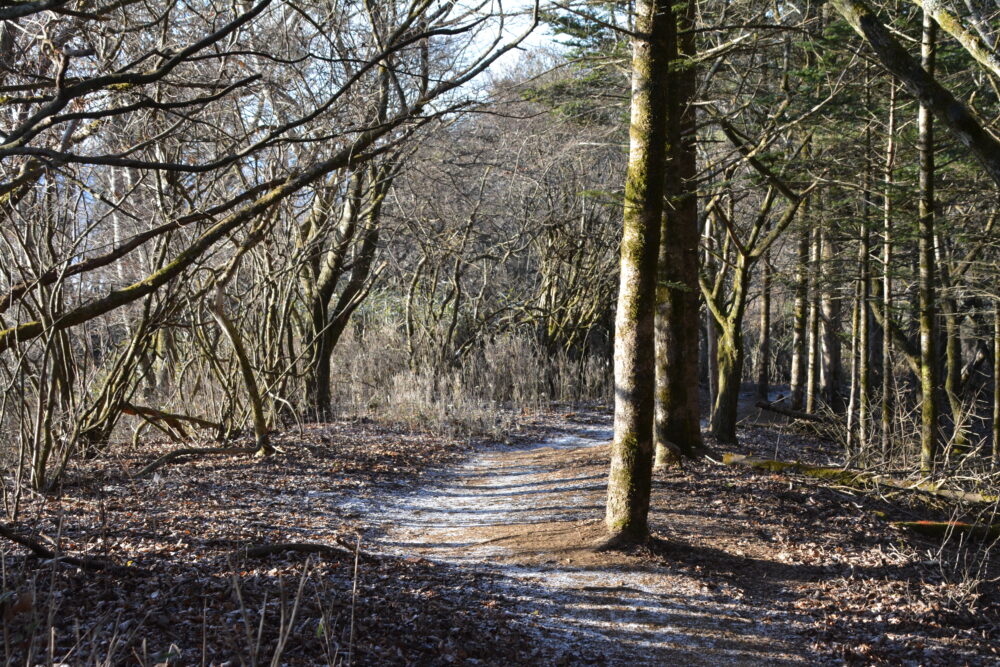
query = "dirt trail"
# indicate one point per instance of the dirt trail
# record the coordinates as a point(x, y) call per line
point(528, 515)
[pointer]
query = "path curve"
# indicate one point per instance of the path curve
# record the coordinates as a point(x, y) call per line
point(525, 515)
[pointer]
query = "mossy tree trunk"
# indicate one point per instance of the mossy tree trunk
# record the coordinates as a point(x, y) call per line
point(260, 428)
point(678, 411)
point(730, 359)
point(630, 476)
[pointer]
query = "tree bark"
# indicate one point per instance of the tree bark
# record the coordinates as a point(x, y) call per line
point(678, 409)
point(764, 346)
point(800, 317)
point(864, 289)
point(729, 357)
point(928, 354)
point(630, 477)
point(812, 342)
point(996, 382)
point(832, 380)
point(887, 213)
point(953, 366)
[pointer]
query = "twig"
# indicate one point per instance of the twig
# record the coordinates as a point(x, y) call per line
point(262, 550)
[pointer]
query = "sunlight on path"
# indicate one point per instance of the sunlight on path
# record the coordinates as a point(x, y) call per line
point(521, 512)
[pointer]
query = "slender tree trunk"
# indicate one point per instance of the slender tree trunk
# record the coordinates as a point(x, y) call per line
point(864, 289)
point(800, 317)
point(952, 350)
point(996, 382)
point(712, 341)
point(764, 346)
point(853, 432)
point(260, 429)
point(678, 409)
point(928, 356)
point(711, 327)
point(812, 343)
point(630, 477)
point(887, 212)
point(832, 380)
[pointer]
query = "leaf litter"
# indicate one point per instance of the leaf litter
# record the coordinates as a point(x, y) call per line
point(474, 553)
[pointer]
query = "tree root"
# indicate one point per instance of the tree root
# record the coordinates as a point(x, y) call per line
point(193, 451)
point(861, 480)
point(83, 563)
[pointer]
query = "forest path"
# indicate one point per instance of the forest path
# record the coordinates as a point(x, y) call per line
point(529, 514)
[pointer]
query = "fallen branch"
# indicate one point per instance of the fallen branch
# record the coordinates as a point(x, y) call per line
point(793, 414)
point(43, 552)
point(943, 528)
point(860, 480)
point(193, 451)
point(345, 551)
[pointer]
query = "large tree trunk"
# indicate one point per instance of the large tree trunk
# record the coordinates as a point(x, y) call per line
point(356, 238)
point(630, 477)
point(678, 410)
point(928, 356)
point(730, 361)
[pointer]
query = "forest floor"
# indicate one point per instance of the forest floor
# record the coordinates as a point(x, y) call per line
point(439, 552)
